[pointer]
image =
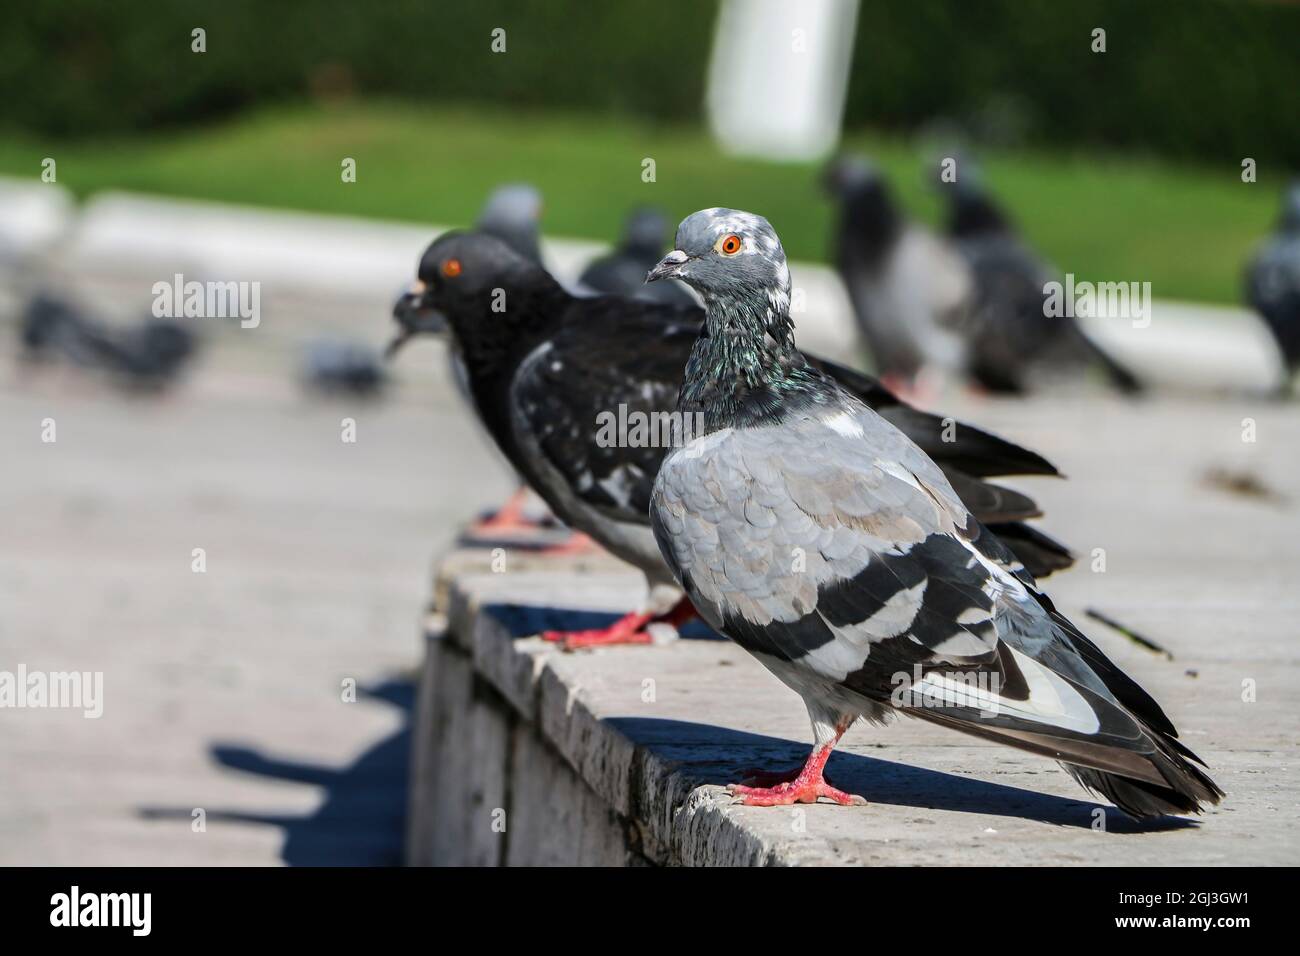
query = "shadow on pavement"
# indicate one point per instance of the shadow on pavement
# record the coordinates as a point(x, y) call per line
point(362, 819)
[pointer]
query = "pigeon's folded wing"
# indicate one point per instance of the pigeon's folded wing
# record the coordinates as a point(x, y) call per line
point(594, 410)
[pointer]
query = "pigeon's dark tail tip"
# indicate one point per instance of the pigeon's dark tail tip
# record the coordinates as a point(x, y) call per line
point(1187, 788)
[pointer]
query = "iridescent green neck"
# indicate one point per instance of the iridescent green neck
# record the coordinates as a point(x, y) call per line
point(744, 367)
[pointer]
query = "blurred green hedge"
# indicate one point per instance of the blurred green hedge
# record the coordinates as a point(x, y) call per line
point(1209, 79)
point(75, 67)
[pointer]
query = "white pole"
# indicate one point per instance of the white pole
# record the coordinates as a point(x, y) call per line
point(778, 76)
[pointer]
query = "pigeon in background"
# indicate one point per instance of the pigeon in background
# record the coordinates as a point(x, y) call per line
point(1273, 280)
point(622, 272)
point(513, 213)
point(1010, 335)
point(49, 326)
point(149, 354)
point(544, 373)
point(906, 286)
point(337, 367)
point(897, 596)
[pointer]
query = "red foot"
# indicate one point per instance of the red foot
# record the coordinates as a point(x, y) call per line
point(797, 791)
point(628, 629)
point(576, 543)
point(805, 785)
point(509, 517)
point(901, 385)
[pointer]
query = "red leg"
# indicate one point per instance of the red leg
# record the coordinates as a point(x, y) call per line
point(898, 383)
point(575, 543)
point(628, 629)
point(770, 778)
point(806, 787)
point(509, 517)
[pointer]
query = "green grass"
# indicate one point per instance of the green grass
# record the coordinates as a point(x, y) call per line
point(1187, 230)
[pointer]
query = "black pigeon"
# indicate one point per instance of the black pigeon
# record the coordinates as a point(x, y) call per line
point(907, 288)
point(622, 272)
point(513, 214)
point(1273, 281)
point(819, 537)
point(545, 369)
point(1010, 334)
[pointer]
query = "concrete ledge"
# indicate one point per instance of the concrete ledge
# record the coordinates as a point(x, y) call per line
point(614, 757)
point(507, 726)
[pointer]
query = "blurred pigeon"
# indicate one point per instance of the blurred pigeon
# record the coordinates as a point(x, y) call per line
point(1010, 334)
point(149, 354)
point(1273, 280)
point(622, 272)
point(513, 213)
point(47, 323)
point(548, 373)
point(897, 599)
point(906, 286)
point(343, 367)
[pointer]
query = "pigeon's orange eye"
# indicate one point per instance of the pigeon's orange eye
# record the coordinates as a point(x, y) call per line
point(451, 268)
point(730, 245)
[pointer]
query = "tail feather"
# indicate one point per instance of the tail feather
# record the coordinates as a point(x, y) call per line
point(961, 446)
point(964, 446)
point(1187, 786)
point(991, 503)
point(1159, 782)
point(1041, 554)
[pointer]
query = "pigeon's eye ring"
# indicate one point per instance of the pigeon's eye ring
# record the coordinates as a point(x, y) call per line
point(451, 268)
point(729, 245)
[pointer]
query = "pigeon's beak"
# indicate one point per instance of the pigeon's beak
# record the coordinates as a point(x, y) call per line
point(415, 314)
point(670, 267)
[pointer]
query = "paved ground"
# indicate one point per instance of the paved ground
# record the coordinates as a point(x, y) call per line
point(222, 690)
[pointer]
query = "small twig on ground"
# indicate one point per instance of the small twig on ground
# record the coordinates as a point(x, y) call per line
point(1131, 634)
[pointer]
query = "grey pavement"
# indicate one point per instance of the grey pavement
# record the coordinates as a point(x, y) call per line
point(222, 690)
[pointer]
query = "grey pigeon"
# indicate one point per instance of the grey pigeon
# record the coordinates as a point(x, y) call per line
point(1013, 341)
point(513, 213)
point(622, 272)
point(1273, 280)
point(545, 368)
point(820, 538)
point(907, 287)
point(338, 367)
